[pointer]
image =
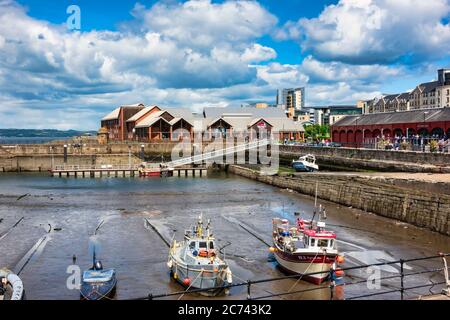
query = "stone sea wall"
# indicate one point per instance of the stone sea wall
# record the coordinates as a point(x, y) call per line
point(379, 160)
point(420, 208)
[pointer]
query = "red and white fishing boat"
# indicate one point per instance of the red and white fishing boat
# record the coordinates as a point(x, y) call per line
point(154, 170)
point(305, 248)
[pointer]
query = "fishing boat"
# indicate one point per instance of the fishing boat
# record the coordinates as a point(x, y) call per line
point(98, 283)
point(154, 170)
point(195, 262)
point(11, 286)
point(305, 164)
point(307, 248)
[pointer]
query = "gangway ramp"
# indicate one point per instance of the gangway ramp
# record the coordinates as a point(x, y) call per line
point(218, 153)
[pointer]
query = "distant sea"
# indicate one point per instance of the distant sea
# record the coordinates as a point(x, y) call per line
point(29, 140)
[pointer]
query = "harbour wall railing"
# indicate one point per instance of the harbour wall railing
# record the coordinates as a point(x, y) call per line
point(402, 288)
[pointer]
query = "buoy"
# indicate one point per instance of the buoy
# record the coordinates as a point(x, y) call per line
point(187, 281)
point(229, 276)
point(169, 264)
point(340, 259)
point(272, 249)
point(175, 276)
point(216, 270)
point(339, 272)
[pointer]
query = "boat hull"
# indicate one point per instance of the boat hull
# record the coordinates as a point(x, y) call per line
point(163, 173)
point(301, 167)
point(302, 264)
point(98, 291)
point(198, 279)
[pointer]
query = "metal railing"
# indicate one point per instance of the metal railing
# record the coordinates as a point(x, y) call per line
point(250, 284)
point(94, 167)
point(219, 153)
point(418, 144)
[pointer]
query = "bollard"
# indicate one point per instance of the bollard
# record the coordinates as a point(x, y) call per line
point(249, 283)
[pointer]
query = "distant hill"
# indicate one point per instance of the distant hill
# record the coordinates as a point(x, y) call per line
point(36, 133)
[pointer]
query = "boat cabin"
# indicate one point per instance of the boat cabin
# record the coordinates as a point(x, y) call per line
point(309, 158)
point(320, 239)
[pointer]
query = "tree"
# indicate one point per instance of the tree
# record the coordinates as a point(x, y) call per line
point(317, 132)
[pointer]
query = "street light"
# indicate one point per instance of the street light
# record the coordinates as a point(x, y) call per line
point(423, 134)
point(53, 159)
point(356, 128)
point(129, 157)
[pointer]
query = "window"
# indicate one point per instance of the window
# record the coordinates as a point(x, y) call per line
point(192, 245)
point(313, 242)
point(202, 245)
point(322, 243)
point(331, 243)
point(211, 246)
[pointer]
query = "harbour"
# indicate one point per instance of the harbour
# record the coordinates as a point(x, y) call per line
point(66, 212)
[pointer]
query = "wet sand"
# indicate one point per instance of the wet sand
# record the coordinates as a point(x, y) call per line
point(172, 205)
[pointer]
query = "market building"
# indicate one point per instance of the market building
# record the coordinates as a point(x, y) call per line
point(363, 129)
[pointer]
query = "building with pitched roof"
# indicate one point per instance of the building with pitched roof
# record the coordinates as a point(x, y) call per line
point(115, 121)
point(358, 130)
point(428, 95)
point(154, 123)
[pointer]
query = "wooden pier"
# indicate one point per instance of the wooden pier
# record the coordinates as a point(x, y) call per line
point(121, 172)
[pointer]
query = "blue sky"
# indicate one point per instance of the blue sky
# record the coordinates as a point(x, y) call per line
point(201, 53)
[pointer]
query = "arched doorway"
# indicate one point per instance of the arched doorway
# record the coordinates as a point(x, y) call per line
point(398, 133)
point(343, 137)
point(423, 132)
point(437, 132)
point(410, 132)
point(376, 133)
point(387, 133)
point(350, 137)
point(336, 136)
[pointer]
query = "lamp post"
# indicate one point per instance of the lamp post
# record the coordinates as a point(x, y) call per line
point(53, 159)
point(356, 128)
point(65, 154)
point(129, 157)
point(423, 134)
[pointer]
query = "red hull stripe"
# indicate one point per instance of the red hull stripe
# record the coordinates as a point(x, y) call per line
point(304, 258)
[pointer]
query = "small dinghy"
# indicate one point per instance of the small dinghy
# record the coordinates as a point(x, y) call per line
point(11, 287)
point(195, 262)
point(305, 164)
point(98, 283)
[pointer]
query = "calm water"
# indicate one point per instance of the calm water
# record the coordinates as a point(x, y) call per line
point(78, 206)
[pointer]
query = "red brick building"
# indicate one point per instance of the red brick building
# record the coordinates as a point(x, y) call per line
point(115, 122)
point(358, 130)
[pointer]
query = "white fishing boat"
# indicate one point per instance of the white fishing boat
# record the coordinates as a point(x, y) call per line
point(305, 164)
point(11, 286)
point(195, 262)
point(307, 249)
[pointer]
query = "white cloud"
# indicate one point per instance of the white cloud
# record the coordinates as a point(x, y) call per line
point(204, 24)
point(47, 69)
point(375, 31)
point(337, 71)
point(258, 53)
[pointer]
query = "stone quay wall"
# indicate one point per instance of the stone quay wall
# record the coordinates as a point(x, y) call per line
point(367, 159)
point(417, 207)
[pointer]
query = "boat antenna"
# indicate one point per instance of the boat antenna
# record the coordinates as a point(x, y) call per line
point(93, 258)
point(315, 200)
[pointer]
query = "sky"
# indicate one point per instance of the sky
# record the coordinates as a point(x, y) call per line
point(201, 53)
